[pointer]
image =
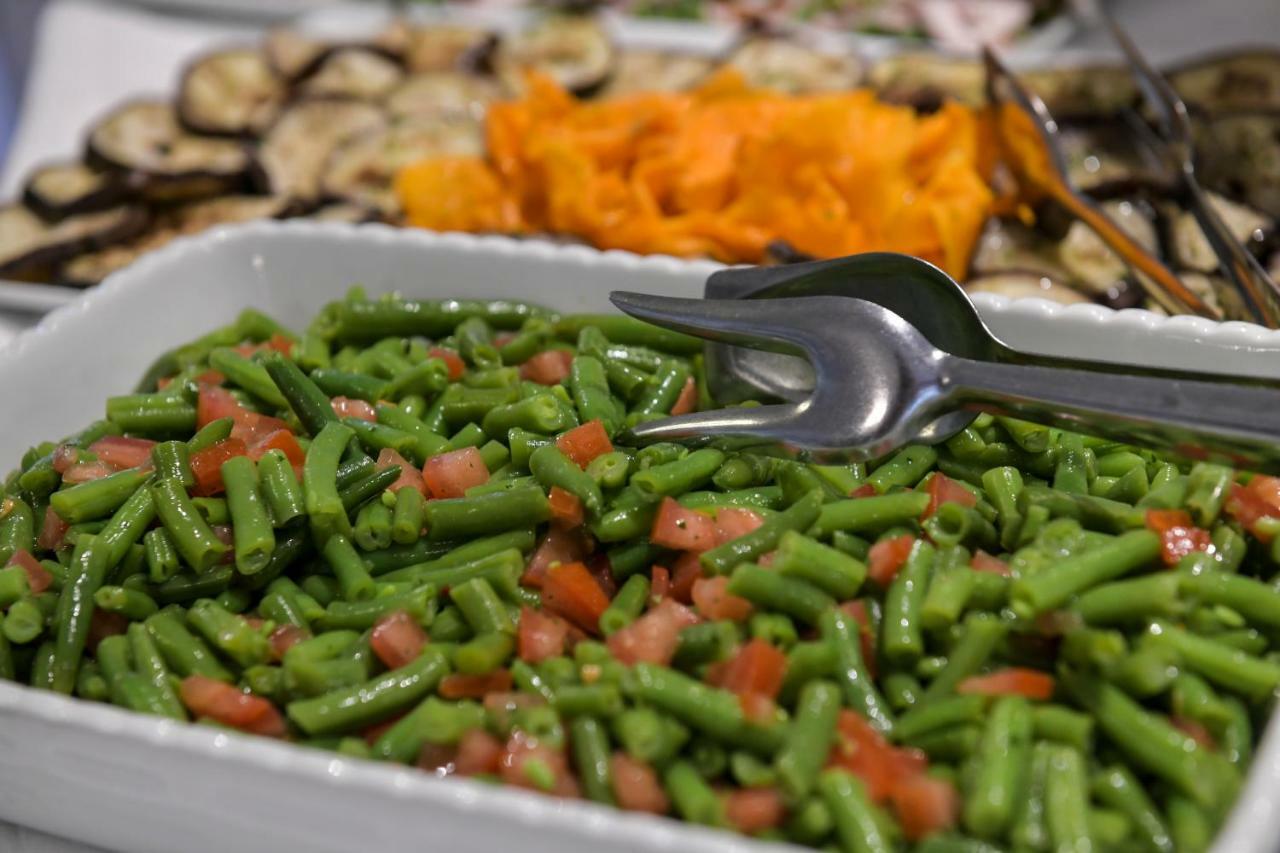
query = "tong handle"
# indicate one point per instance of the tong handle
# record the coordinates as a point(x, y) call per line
point(1206, 417)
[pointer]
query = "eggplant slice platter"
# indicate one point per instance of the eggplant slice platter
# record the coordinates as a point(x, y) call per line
point(302, 126)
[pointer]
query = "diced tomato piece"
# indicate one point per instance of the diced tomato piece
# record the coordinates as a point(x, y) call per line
point(557, 546)
point(1267, 490)
point(942, 490)
point(277, 342)
point(866, 632)
point(924, 805)
point(397, 639)
point(438, 758)
point(682, 529)
point(586, 442)
point(460, 686)
point(541, 635)
point(452, 360)
point(984, 562)
point(206, 465)
point(1178, 536)
point(64, 456)
point(52, 531)
point(478, 752)
point(549, 367)
point(636, 786)
point(38, 577)
point(735, 522)
point(120, 451)
point(688, 399)
point(346, 407)
point(214, 404)
point(1010, 681)
point(566, 508)
point(569, 590)
point(659, 583)
point(864, 752)
point(284, 441)
point(286, 637)
point(712, 600)
point(749, 810)
point(684, 574)
point(83, 472)
point(1195, 730)
point(887, 556)
point(654, 636)
point(208, 377)
point(206, 697)
point(866, 490)
point(410, 476)
point(1246, 507)
point(598, 565)
point(757, 668)
point(449, 475)
point(528, 763)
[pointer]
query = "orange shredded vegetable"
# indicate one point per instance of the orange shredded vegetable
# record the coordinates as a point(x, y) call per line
point(720, 171)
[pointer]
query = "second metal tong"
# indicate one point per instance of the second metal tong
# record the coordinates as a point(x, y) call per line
point(880, 383)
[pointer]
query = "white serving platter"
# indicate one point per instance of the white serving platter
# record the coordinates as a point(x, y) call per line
point(103, 776)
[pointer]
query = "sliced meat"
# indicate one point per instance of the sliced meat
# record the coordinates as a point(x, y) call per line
point(232, 92)
point(1016, 284)
point(353, 72)
point(656, 71)
point(775, 63)
point(64, 189)
point(574, 51)
point(145, 141)
point(28, 242)
point(293, 153)
point(363, 169)
point(1240, 82)
point(179, 221)
point(447, 95)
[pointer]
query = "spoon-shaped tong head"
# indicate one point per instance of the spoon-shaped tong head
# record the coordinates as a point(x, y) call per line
point(880, 384)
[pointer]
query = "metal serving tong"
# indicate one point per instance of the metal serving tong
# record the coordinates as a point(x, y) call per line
point(1029, 134)
point(879, 382)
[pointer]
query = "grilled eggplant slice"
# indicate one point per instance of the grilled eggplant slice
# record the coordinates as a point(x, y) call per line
point(1104, 161)
point(1008, 245)
point(353, 72)
point(786, 66)
point(925, 80)
point(1189, 247)
point(293, 153)
point(446, 95)
point(145, 141)
point(1089, 92)
point(1090, 262)
point(178, 221)
point(231, 93)
point(576, 52)
point(28, 243)
point(1239, 82)
point(449, 49)
point(295, 56)
point(362, 169)
point(1240, 157)
point(65, 189)
point(342, 211)
point(1022, 284)
point(655, 71)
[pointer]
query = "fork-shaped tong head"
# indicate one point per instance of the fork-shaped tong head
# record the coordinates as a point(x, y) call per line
point(880, 384)
point(1255, 287)
point(1028, 133)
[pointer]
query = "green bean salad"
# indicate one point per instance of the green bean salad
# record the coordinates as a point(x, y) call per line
point(416, 534)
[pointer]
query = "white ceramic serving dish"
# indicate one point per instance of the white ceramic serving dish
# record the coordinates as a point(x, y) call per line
point(107, 777)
